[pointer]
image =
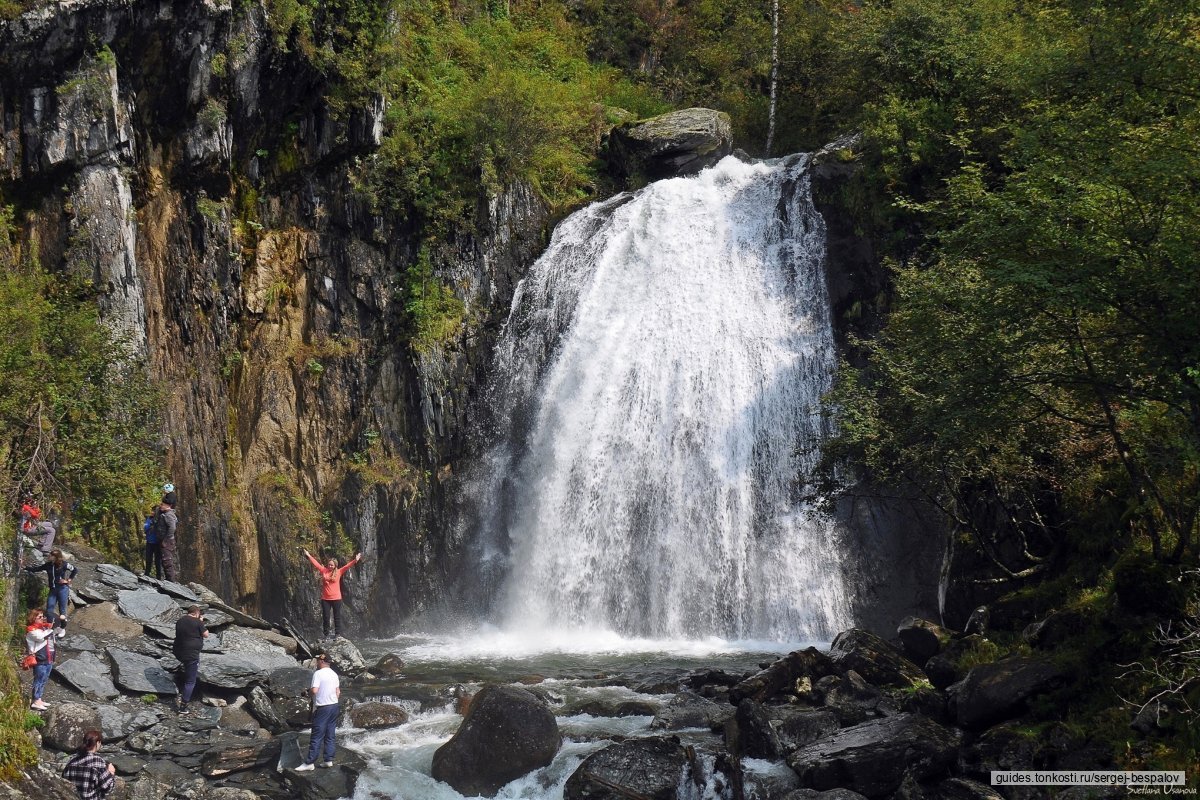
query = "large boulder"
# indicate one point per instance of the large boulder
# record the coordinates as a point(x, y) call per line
point(874, 659)
point(507, 733)
point(648, 769)
point(147, 605)
point(688, 710)
point(921, 639)
point(677, 143)
point(782, 675)
point(997, 691)
point(66, 723)
point(242, 669)
point(771, 732)
point(872, 758)
point(377, 715)
point(344, 657)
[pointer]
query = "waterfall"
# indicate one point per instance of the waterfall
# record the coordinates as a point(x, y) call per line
point(653, 408)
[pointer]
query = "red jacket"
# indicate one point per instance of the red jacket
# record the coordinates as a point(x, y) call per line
point(331, 579)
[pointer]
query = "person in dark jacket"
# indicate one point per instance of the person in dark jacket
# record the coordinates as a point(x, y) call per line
point(60, 573)
point(190, 633)
point(153, 546)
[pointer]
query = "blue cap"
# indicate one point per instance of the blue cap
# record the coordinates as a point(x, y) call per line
point(168, 487)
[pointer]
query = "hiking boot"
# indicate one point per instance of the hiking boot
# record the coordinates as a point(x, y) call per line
point(305, 768)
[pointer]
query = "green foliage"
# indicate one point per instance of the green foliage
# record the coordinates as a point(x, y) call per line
point(150, 698)
point(213, 115)
point(17, 751)
point(211, 210)
point(79, 415)
point(435, 314)
point(1041, 357)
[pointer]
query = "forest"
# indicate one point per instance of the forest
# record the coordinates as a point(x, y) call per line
point(1028, 171)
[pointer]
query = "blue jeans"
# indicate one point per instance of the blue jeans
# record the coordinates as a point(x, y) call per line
point(59, 595)
point(41, 674)
point(324, 726)
point(188, 685)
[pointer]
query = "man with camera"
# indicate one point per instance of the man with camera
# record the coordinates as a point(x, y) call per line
point(190, 633)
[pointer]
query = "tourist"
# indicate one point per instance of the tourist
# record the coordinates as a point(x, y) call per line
point(153, 546)
point(331, 591)
point(190, 634)
point(40, 636)
point(60, 573)
point(93, 777)
point(165, 523)
point(325, 693)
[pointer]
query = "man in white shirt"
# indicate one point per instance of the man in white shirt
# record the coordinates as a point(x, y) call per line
point(326, 691)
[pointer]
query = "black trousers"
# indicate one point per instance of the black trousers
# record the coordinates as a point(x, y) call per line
point(154, 558)
point(331, 608)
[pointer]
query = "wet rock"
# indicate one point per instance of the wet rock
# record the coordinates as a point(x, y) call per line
point(145, 605)
point(771, 732)
point(993, 692)
point(377, 715)
point(921, 639)
point(677, 143)
point(873, 757)
point(874, 659)
point(289, 682)
point(687, 710)
point(506, 733)
point(344, 657)
point(614, 707)
point(264, 711)
point(849, 698)
point(389, 666)
point(219, 762)
point(140, 674)
point(648, 769)
point(327, 784)
point(66, 723)
point(781, 676)
point(88, 675)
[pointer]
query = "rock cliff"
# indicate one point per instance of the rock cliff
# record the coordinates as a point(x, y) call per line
point(176, 156)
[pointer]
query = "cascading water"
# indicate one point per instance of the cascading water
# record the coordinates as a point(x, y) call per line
point(654, 406)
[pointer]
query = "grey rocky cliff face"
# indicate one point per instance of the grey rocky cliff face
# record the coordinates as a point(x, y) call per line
point(264, 291)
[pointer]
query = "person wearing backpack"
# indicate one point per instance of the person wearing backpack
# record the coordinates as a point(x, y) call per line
point(153, 546)
point(40, 636)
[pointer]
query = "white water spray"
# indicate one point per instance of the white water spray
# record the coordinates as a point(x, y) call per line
point(656, 401)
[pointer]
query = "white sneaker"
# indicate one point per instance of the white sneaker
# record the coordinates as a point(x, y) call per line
point(325, 764)
point(38, 705)
point(305, 768)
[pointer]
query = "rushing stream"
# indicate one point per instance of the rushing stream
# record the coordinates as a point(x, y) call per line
point(636, 510)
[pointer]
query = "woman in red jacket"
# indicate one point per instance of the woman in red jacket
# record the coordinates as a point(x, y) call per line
point(331, 591)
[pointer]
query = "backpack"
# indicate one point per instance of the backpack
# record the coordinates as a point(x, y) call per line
point(149, 528)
